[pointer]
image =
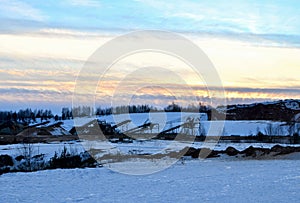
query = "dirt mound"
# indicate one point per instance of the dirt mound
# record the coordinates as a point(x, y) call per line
point(250, 152)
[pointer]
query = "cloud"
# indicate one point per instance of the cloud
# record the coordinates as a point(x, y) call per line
point(282, 90)
point(20, 98)
point(86, 3)
point(19, 9)
point(257, 17)
point(189, 16)
point(45, 46)
point(273, 24)
point(31, 91)
point(36, 69)
point(55, 32)
point(276, 91)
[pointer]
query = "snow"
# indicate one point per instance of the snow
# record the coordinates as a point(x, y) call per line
point(171, 119)
point(194, 181)
point(297, 117)
point(136, 147)
point(294, 105)
point(168, 120)
point(41, 148)
point(246, 128)
point(155, 117)
point(69, 124)
point(163, 119)
point(288, 103)
point(224, 179)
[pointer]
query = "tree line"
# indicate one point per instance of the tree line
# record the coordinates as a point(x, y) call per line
point(39, 115)
point(26, 115)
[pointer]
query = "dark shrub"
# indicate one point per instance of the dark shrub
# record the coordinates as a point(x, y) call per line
point(6, 160)
point(231, 151)
point(65, 160)
point(19, 158)
point(193, 152)
point(250, 151)
point(4, 170)
point(284, 150)
point(87, 160)
point(204, 153)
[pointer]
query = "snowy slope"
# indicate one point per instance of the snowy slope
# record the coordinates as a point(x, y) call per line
point(41, 148)
point(139, 147)
point(246, 128)
point(170, 119)
point(164, 119)
point(195, 181)
point(288, 103)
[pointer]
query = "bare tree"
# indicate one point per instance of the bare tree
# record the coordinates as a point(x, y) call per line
point(27, 151)
point(201, 129)
point(294, 127)
point(273, 130)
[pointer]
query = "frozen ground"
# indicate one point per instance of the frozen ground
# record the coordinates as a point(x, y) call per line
point(212, 180)
point(140, 147)
point(172, 119)
point(149, 147)
point(223, 179)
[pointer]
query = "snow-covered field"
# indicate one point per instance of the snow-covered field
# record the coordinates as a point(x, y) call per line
point(223, 179)
point(171, 119)
point(140, 147)
point(211, 180)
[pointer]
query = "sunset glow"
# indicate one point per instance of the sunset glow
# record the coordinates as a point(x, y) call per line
point(42, 52)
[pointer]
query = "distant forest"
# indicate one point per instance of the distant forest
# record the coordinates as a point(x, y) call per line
point(40, 115)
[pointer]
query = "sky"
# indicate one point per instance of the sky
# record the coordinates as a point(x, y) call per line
point(254, 46)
